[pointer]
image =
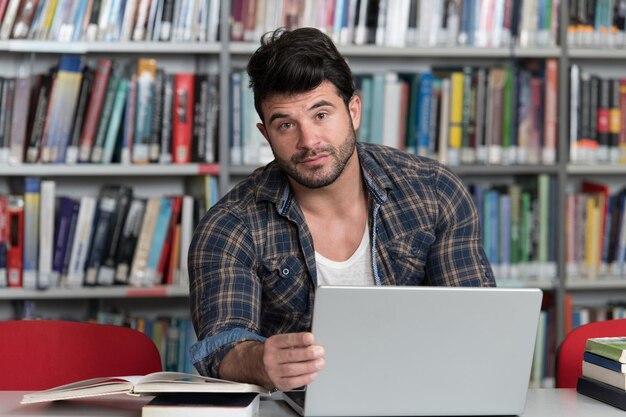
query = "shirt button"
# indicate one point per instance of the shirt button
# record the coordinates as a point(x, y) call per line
point(414, 251)
point(285, 271)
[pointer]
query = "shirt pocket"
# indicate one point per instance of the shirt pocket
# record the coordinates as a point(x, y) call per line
point(285, 284)
point(409, 253)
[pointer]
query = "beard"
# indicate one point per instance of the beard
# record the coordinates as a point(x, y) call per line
point(323, 175)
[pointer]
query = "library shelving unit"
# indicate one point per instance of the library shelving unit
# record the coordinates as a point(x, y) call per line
point(76, 180)
point(226, 56)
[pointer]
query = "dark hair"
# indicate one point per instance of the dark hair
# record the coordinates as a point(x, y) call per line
point(291, 62)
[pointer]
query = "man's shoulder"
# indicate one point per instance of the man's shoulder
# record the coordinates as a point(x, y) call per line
point(252, 193)
point(396, 162)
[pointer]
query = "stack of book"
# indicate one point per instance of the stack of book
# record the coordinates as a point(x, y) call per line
point(604, 371)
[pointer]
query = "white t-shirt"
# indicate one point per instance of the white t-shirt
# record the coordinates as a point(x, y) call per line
point(356, 270)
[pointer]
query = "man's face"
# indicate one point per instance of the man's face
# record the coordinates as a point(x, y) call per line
point(312, 134)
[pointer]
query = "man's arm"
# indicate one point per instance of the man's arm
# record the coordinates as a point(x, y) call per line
point(457, 258)
point(284, 361)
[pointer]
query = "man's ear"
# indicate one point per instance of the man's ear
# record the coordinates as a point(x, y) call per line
point(354, 107)
point(261, 128)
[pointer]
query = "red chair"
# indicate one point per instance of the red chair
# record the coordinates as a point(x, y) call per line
point(40, 354)
point(569, 356)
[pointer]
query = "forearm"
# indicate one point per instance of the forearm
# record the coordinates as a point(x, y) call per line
point(244, 363)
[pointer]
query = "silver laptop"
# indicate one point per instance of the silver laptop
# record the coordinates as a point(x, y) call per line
point(409, 351)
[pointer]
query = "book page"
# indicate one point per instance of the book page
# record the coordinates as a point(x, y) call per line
point(86, 388)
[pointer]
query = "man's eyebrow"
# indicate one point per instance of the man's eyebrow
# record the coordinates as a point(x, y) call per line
point(315, 105)
point(321, 103)
point(275, 116)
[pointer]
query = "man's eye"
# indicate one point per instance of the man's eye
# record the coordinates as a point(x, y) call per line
point(322, 115)
point(284, 126)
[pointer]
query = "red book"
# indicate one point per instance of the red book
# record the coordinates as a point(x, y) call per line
point(15, 247)
point(622, 108)
point(3, 8)
point(165, 259)
point(94, 108)
point(183, 117)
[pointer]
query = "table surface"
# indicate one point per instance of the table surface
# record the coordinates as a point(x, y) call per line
point(539, 403)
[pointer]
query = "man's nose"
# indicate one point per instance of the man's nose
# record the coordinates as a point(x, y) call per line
point(308, 137)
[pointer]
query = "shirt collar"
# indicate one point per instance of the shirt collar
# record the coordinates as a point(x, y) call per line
point(274, 187)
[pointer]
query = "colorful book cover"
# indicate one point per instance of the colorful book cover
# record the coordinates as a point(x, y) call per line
point(115, 123)
point(161, 228)
point(63, 236)
point(15, 247)
point(32, 196)
point(146, 76)
point(94, 109)
point(613, 348)
point(183, 117)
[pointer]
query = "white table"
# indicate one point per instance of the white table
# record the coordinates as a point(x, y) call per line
point(539, 403)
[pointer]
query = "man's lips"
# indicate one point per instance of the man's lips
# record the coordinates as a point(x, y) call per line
point(313, 159)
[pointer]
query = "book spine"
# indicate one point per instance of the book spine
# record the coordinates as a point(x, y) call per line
point(94, 109)
point(138, 271)
point(15, 248)
point(46, 233)
point(81, 241)
point(32, 196)
point(130, 234)
point(183, 118)
point(106, 273)
point(146, 76)
point(4, 240)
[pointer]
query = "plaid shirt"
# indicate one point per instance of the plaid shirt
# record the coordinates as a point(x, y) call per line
point(252, 262)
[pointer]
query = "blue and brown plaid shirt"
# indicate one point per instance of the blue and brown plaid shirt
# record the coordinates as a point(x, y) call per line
point(252, 262)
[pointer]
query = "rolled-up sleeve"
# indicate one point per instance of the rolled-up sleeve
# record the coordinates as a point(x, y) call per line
point(225, 293)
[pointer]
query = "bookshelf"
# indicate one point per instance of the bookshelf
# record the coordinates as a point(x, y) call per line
point(225, 56)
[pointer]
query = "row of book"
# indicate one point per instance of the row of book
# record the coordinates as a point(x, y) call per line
point(596, 232)
point(405, 23)
point(594, 23)
point(110, 20)
point(604, 370)
point(519, 227)
point(49, 241)
point(460, 116)
point(172, 336)
point(577, 315)
point(597, 108)
point(104, 114)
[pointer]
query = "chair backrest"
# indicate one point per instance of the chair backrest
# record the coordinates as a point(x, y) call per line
point(40, 354)
point(569, 355)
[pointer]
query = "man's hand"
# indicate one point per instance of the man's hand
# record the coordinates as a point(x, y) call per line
point(291, 360)
point(285, 361)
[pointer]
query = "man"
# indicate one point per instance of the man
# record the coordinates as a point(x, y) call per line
point(327, 210)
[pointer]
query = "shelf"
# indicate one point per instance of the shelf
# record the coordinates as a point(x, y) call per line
point(247, 48)
point(108, 170)
point(504, 169)
point(94, 292)
point(596, 169)
point(596, 284)
point(243, 170)
point(544, 284)
point(53, 47)
point(601, 52)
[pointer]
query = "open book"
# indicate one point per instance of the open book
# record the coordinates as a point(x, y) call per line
point(150, 384)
